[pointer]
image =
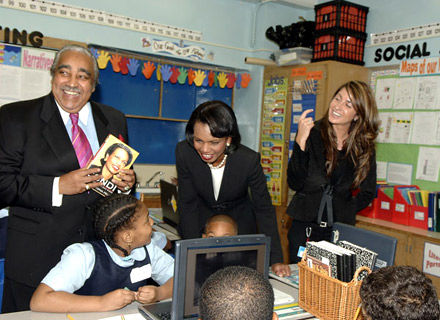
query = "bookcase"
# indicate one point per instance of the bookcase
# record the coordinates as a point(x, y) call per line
point(285, 102)
point(410, 241)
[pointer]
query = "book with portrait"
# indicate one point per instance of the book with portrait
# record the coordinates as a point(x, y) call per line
point(318, 265)
point(112, 157)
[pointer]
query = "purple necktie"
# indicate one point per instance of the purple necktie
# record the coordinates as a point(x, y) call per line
point(80, 143)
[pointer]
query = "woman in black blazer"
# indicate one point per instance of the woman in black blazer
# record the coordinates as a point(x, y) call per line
point(218, 175)
point(333, 166)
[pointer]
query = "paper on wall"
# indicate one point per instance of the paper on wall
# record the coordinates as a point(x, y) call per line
point(428, 164)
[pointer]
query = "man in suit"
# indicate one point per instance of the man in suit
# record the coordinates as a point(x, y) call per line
point(41, 179)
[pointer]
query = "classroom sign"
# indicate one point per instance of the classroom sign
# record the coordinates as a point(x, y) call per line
point(419, 67)
point(431, 259)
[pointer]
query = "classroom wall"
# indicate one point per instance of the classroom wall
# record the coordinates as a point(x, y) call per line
point(226, 24)
point(232, 30)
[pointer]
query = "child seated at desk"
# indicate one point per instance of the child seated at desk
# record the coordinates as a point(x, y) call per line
point(220, 225)
point(399, 293)
point(112, 272)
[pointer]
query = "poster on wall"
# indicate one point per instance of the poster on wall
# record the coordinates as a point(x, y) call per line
point(385, 88)
point(431, 259)
point(272, 136)
point(405, 92)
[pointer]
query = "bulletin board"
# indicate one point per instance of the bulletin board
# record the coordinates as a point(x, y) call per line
point(408, 144)
point(157, 96)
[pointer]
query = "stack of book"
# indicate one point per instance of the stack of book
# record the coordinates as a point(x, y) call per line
point(339, 261)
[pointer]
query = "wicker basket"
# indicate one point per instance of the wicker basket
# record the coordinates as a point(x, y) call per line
point(328, 298)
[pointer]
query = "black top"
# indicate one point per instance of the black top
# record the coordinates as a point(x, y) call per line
point(306, 174)
point(243, 195)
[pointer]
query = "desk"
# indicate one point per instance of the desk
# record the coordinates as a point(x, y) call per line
point(130, 309)
point(170, 232)
point(30, 315)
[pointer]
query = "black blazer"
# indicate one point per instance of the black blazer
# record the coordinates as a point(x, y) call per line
point(34, 148)
point(243, 195)
point(306, 175)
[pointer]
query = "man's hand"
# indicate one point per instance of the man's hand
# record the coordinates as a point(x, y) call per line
point(128, 179)
point(80, 180)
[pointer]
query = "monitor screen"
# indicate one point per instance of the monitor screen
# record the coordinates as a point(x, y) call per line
point(197, 259)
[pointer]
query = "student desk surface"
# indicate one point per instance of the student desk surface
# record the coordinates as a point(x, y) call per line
point(130, 309)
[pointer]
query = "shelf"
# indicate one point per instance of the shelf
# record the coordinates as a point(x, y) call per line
point(309, 4)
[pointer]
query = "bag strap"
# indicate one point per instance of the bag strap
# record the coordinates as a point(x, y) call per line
point(326, 202)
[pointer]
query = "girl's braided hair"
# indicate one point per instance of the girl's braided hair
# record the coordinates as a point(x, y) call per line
point(112, 214)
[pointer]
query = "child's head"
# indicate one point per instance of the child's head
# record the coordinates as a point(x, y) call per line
point(123, 222)
point(399, 292)
point(220, 225)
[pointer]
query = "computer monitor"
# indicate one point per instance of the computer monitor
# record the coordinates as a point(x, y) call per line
point(197, 259)
point(168, 199)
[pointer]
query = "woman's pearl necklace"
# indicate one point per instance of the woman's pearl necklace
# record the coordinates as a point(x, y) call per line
point(221, 163)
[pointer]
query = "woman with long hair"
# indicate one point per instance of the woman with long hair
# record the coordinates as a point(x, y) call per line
point(333, 166)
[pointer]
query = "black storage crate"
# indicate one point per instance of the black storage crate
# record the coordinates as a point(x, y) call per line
point(341, 14)
point(340, 45)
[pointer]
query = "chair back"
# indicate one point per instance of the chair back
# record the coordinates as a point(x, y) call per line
point(383, 245)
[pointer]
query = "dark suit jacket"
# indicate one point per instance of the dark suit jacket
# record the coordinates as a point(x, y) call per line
point(34, 148)
point(243, 195)
point(306, 174)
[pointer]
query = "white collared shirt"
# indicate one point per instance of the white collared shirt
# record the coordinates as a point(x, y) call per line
point(87, 124)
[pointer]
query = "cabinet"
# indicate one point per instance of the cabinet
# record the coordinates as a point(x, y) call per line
point(151, 200)
point(410, 242)
point(278, 102)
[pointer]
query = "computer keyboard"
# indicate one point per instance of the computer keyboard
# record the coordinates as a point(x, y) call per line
point(169, 228)
point(164, 315)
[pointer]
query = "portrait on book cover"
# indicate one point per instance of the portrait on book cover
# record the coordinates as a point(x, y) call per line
point(112, 157)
